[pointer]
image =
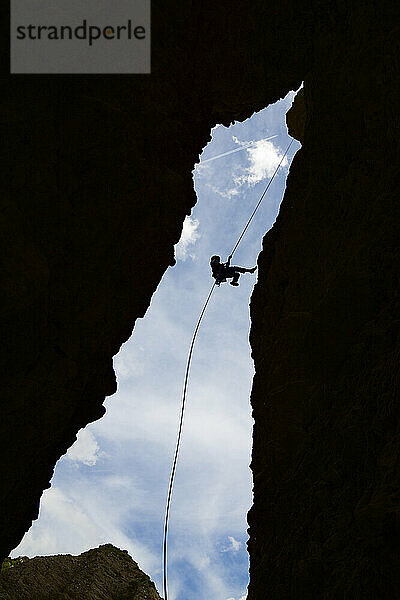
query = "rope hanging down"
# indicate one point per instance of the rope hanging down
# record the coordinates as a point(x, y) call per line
point(185, 385)
point(178, 441)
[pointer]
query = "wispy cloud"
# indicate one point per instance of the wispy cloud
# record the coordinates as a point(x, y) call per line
point(244, 146)
point(77, 519)
point(264, 157)
point(85, 450)
point(225, 193)
point(129, 365)
point(234, 545)
point(188, 238)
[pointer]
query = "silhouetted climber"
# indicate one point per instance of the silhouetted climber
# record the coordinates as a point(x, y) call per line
point(223, 271)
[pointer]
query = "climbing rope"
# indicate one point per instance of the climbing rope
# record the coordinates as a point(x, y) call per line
point(259, 202)
point(178, 441)
point(189, 361)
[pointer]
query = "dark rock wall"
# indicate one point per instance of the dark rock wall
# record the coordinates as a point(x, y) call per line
point(98, 184)
point(104, 573)
point(97, 188)
point(325, 337)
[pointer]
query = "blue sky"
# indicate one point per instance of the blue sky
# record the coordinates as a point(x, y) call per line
point(111, 485)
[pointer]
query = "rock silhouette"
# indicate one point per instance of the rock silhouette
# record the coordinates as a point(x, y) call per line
point(99, 182)
point(104, 573)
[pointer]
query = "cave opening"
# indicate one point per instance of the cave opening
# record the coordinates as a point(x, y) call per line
point(110, 487)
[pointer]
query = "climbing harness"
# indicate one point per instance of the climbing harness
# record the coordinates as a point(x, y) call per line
point(185, 385)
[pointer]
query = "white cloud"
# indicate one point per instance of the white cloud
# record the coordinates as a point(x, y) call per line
point(264, 157)
point(129, 364)
point(228, 193)
point(118, 481)
point(74, 521)
point(85, 450)
point(234, 545)
point(188, 238)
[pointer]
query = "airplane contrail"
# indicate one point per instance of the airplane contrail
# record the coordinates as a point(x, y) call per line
point(237, 149)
